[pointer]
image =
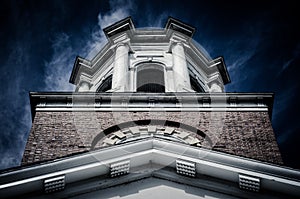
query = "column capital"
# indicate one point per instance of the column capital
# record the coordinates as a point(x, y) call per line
point(174, 41)
point(84, 85)
point(123, 43)
point(215, 87)
point(84, 79)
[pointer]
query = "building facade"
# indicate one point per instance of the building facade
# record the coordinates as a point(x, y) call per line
point(151, 78)
point(152, 102)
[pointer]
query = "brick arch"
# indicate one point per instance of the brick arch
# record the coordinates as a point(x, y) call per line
point(140, 129)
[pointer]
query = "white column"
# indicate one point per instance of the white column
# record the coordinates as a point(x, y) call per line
point(84, 86)
point(169, 81)
point(120, 70)
point(180, 70)
point(131, 80)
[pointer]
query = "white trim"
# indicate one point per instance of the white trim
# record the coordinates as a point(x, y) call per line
point(72, 170)
point(151, 108)
point(118, 28)
point(180, 27)
point(42, 177)
point(163, 153)
point(82, 64)
point(215, 64)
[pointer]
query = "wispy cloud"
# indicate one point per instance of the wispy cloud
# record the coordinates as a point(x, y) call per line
point(236, 60)
point(59, 68)
point(156, 21)
point(295, 55)
point(235, 66)
point(15, 120)
point(119, 10)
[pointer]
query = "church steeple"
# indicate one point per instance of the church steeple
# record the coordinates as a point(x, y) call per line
point(156, 60)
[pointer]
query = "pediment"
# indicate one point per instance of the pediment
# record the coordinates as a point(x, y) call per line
point(88, 172)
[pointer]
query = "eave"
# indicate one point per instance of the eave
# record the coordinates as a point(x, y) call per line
point(179, 26)
point(214, 171)
point(118, 27)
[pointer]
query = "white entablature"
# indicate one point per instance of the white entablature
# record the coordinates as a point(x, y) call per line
point(150, 60)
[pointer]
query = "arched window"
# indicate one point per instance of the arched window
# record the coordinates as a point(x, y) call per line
point(106, 84)
point(150, 79)
point(195, 85)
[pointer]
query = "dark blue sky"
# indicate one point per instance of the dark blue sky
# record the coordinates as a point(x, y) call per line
point(39, 41)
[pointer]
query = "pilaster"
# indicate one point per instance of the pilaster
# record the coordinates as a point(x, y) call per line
point(120, 70)
point(180, 69)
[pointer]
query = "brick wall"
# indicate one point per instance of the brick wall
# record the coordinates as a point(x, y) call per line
point(57, 134)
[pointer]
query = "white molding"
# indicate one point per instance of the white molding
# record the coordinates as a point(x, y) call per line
point(157, 151)
point(151, 108)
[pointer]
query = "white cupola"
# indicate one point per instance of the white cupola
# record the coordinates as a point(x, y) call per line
point(150, 61)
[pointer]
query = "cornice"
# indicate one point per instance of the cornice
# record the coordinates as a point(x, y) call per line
point(119, 27)
point(216, 166)
point(90, 101)
point(179, 26)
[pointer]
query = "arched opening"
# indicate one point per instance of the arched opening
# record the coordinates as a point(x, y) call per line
point(105, 85)
point(150, 79)
point(195, 85)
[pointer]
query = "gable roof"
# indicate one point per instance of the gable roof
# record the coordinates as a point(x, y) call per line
point(151, 157)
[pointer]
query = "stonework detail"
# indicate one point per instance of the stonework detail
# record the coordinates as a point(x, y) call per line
point(134, 133)
point(58, 134)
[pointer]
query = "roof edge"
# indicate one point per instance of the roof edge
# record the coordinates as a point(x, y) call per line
point(160, 152)
point(177, 25)
point(118, 27)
